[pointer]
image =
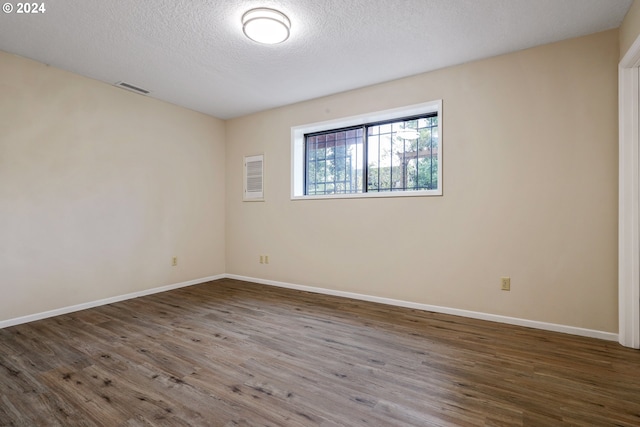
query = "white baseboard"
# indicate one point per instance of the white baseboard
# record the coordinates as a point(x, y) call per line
point(91, 304)
point(609, 336)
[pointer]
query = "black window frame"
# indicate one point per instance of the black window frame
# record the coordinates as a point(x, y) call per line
point(365, 149)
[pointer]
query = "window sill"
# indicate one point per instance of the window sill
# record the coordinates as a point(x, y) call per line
point(386, 194)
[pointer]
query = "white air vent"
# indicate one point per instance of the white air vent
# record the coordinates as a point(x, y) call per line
point(132, 88)
point(254, 178)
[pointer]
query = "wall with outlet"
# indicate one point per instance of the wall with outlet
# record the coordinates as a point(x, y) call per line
point(105, 193)
point(101, 191)
point(530, 193)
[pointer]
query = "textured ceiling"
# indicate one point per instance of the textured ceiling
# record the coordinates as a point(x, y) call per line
point(193, 52)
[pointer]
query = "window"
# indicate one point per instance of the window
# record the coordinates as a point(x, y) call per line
point(333, 162)
point(389, 153)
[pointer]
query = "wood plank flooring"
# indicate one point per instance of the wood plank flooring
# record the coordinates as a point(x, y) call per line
point(231, 353)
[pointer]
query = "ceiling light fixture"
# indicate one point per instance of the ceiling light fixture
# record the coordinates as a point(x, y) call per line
point(267, 26)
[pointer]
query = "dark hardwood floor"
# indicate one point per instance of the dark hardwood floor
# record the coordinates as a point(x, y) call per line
point(231, 353)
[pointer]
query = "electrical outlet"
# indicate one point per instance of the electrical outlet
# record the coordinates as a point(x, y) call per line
point(266, 259)
point(505, 283)
point(261, 259)
point(174, 261)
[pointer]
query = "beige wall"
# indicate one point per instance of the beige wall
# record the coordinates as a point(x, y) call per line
point(99, 188)
point(630, 28)
point(530, 191)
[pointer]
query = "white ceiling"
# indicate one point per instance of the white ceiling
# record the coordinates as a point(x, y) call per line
point(193, 52)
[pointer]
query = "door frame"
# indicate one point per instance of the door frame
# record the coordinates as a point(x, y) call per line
point(629, 199)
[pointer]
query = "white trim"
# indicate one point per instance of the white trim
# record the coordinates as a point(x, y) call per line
point(609, 336)
point(406, 193)
point(92, 304)
point(297, 148)
point(629, 199)
point(400, 303)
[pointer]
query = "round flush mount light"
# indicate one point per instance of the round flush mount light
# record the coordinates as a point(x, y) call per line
point(267, 26)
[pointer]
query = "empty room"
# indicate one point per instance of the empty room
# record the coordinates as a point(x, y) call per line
point(320, 213)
